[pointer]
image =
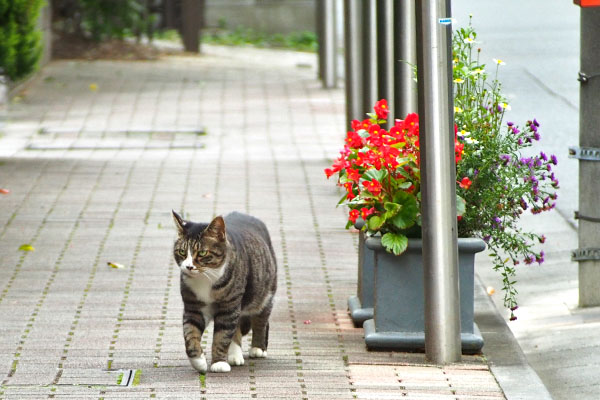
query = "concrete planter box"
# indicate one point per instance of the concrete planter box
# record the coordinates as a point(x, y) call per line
point(399, 320)
point(361, 305)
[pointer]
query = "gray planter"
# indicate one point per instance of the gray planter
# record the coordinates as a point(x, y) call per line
point(361, 305)
point(399, 320)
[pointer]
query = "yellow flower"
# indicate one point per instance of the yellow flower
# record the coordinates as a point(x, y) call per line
point(459, 80)
point(93, 87)
point(458, 110)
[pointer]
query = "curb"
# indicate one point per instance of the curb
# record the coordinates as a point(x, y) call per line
point(505, 357)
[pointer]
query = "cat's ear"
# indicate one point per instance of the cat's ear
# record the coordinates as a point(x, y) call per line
point(217, 228)
point(179, 222)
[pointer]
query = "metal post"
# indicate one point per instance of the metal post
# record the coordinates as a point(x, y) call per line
point(319, 16)
point(353, 61)
point(369, 55)
point(405, 43)
point(438, 177)
point(589, 188)
point(191, 24)
point(329, 74)
point(385, 51)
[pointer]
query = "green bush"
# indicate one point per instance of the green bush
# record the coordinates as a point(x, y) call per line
point(106, 19)
point(20, 40)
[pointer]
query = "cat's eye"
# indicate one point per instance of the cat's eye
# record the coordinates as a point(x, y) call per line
point(181, 252)
point(202, 253)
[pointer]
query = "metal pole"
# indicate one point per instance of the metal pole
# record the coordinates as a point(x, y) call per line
point(353, 61)
point(438, 177)
point(369, 55)
point(589, 188)
point(385, 41)
point(405, 43)
point(329, 74)
point(319, 16)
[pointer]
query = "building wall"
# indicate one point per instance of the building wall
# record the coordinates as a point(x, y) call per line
point(269, 16)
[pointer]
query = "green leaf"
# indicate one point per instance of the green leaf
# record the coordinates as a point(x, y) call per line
point(391, 208)
point(380, 175)
point(26, 247)
point(394, 242)
point(375, 222)
point(115, 265)
point(461, 206)
point(407, 215)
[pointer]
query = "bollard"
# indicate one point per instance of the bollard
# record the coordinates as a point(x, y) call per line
point(438, 177)
point(353, 61)
point(405, 50)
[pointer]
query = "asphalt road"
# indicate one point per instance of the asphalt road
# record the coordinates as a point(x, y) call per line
point(539, 42)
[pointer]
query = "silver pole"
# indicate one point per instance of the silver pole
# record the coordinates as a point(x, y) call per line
point(406, 56)
point(369, 55)
point(385, 33)
point(353, 61)
point(589, 189)
point(330, 73)
point(438, 177)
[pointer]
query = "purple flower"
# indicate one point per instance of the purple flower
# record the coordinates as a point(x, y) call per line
point(535, 122)
point(553, 159)
point(487, 238)
point(475, 173)
point(523, 204)
point(520, 142)
point(510, 123)
point(536, 136)
point(543, 156)
point(506, 158)
point(516, 130)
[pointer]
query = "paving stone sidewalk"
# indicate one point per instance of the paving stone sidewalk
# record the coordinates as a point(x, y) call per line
point(96, 154)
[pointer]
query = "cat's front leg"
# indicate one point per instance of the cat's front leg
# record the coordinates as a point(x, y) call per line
point(193, 328)
point(225, 325)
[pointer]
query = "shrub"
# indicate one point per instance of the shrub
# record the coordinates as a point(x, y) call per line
point(20, 40)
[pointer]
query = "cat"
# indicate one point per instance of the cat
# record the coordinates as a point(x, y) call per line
point(229, 275)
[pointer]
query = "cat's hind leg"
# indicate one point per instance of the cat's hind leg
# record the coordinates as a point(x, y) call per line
point(260, 333)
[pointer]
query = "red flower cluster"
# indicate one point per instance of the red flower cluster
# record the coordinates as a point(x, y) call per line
point(376, 163)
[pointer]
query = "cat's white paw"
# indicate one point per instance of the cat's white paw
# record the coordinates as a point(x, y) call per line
point(234, 354)
point(220, 366)
point(199, 363)
point(257, 352)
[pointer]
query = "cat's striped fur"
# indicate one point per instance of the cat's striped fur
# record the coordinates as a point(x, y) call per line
point(229, 275)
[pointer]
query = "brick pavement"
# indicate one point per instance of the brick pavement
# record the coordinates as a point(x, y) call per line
point(94, 172)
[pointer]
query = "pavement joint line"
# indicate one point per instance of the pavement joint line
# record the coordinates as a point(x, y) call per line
point(317, 235)
point(171, 270)
point(94, 270)
point(37, 233)
point(25, 197)
point(285, 261)
point(219, 162)
point(50, 281)
point(132, 266)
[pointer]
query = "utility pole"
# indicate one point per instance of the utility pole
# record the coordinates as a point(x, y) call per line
point(438, 177)
point(588, 254)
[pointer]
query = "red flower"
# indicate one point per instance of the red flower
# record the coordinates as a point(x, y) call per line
point(458, 151)
point(465, 183)
point(348, 186)
point(381, 109)
point(365, 212)
point(337, 166)
point(354, 140)
point(353, 215)
point(353, 174)
point(373, 186)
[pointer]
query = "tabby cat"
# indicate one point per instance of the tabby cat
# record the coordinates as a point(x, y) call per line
point(229, 275)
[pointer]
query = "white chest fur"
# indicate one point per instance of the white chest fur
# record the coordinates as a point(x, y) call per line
point(201, 286)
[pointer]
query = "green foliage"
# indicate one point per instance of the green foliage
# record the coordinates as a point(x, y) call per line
point(395, 242)
point(240, 36)
point(20, 40)
point(108, 19)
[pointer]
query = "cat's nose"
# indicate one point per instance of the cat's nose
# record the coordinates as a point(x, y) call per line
point(190, 267)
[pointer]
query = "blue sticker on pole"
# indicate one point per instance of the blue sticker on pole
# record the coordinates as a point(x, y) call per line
point(446, 21)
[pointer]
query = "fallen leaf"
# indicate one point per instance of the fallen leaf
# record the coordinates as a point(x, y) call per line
point(307, 322)
point(115, 265)
point(26, 247)
point(93, 87)
point(4, 191)
point(490, 290)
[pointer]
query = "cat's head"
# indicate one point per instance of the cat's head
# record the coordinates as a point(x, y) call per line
point(199, 248)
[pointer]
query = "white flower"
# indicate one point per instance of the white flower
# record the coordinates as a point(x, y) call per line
point(469, 40)
point(469, 140)
point(458, 80)
point(499, 62)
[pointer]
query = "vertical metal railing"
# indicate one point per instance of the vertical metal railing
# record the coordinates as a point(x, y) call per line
point(385, 54)
point(326, 31)
point(438, 182)
point(405, 52)
point(353, 60)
